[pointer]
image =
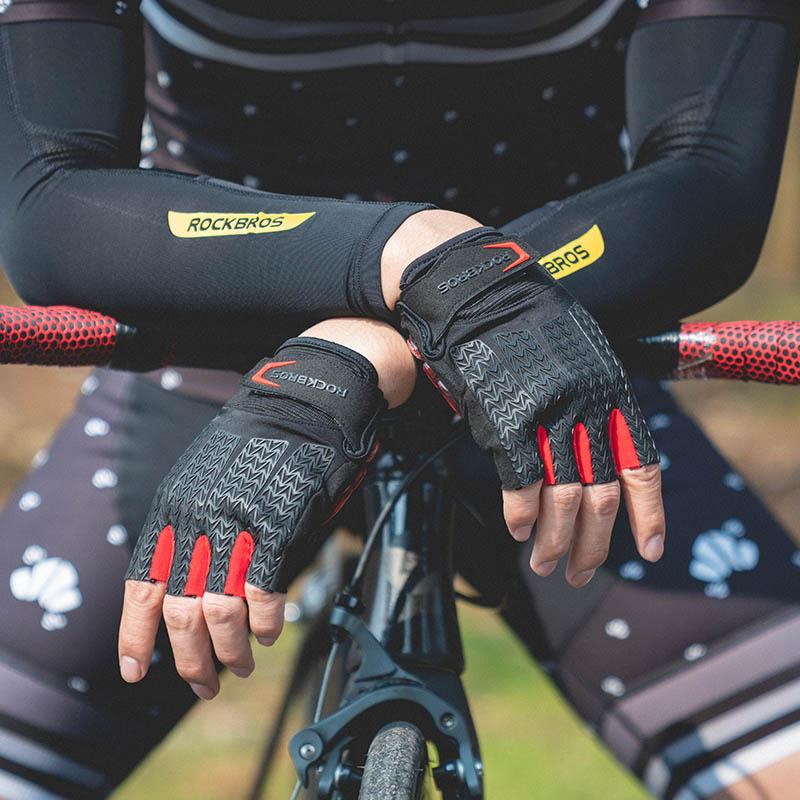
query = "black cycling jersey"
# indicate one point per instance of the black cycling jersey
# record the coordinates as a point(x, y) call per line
point(460, 105)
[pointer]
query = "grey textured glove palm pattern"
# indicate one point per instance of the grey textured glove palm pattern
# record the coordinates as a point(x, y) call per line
point(248, 500)
point(523, 362)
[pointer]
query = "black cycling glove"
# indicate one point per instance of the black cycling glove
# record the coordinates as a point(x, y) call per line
point(523, 362)
point(248, 499)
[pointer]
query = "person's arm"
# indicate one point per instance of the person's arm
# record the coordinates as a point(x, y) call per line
point(709, 98)
point(81, 225)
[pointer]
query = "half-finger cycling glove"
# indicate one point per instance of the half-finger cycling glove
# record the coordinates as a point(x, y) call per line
point(523, 362)
point(248, 500)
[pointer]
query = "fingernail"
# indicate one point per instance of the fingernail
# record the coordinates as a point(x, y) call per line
point(582, 578)
point(203, 692)
point(546, 568)
point(242, 672)
point(129, 669)
point(522, 534)
point(654, 548)
point(265, 641)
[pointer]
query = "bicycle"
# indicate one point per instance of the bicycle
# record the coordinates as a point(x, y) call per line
point(391, 720)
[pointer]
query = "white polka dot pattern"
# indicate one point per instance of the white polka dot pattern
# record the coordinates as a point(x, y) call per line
point(78, 684)
point(117, 535)
point(41, 458)
point(733, 481)
point(613, 685)
point(632, 570)
point(53, 622)
point(96, 427)
point(170, 379)
point(659, 422)
point(618, 628)
point(89, 386)
point(29, 501)
point(33, 554)
point(694, 652)
point(104, 478)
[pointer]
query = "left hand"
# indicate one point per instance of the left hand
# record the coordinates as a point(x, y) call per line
point(538, 384)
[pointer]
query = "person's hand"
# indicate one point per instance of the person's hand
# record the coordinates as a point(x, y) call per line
point(540, 387)
point(242, 510)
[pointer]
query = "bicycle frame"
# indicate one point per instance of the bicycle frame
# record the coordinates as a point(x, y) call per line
point(403, 644)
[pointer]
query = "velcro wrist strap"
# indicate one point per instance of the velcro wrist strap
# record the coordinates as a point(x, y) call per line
point(437, 286)
point(327, 377)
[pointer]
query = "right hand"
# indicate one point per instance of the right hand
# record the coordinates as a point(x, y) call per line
point(540, 387)
point(242, 511)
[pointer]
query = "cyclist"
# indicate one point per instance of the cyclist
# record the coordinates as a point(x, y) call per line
point(709, 88)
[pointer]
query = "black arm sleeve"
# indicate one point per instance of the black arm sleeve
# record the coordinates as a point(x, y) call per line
point(708, 107)
point(81, 225)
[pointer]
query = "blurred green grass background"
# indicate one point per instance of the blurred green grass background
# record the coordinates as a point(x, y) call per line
point(533, 745)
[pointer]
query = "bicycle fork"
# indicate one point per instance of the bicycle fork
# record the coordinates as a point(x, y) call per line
point(404, 643)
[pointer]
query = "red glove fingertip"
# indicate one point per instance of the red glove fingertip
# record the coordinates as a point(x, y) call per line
point(161, 565)
point(583, 453)
point(239, 564)
point(625, 455)
point(547, 455)
point(198, 568)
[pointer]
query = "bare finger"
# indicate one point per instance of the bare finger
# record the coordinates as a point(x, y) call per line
point(141, 614)
point(520, 509)
point(226, 619)
point(556, 526)
point(641, 489)
point(595, 522)
point(191, 645)
point(266, 613)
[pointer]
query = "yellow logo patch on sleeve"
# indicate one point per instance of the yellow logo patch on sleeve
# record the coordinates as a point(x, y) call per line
point(198, 224)
point(575, 255)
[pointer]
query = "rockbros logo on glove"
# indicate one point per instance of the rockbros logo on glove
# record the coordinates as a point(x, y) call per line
point(438, 287)
point(260, 375)
point(279, 376)
point(294, 377)
point(495, 261)
point(307, 375)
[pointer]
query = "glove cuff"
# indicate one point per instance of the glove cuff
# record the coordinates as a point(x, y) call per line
point(434, 288)
point(327, 377)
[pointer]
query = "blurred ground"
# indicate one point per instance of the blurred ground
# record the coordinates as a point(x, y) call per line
point(532, 744)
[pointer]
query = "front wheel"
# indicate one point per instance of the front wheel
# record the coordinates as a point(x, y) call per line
point(396, 765)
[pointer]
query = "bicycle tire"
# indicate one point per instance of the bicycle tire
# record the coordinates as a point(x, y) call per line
point(396, 762)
